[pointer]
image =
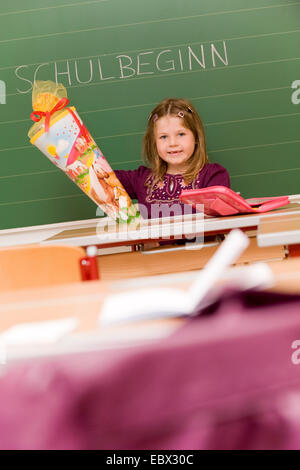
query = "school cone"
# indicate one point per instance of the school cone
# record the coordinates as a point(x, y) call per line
point(60, 134)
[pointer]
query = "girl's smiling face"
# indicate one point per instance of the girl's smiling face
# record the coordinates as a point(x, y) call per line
point(174, 142)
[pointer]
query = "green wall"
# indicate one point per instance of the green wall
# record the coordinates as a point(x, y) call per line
point(237, 61)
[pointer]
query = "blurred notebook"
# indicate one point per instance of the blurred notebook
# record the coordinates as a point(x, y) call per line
point(161, 302)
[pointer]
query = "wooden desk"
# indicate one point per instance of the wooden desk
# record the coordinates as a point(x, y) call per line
point(283, 229)
point(94, 232)
point(84, 301)
point(207, 226)
point(159, 261)
point(135, 264)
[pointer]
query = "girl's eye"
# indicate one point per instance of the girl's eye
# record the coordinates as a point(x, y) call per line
point(182, 133)
point(163, 136)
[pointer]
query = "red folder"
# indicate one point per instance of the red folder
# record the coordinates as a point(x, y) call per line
point(220, 200)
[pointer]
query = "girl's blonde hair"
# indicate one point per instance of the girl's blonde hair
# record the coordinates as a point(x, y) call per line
point(182, 108)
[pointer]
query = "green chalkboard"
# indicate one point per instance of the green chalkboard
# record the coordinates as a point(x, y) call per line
point(237, 61)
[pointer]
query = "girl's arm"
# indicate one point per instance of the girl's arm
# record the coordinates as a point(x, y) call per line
point(134, 181)
point(128, 178)
point(216, 175)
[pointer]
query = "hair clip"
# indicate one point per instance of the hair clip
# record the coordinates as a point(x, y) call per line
point(189, 110)
point(154, 116)
point(180, 114)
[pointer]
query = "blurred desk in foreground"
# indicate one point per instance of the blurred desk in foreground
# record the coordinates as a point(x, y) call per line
point(235, 384)
point(84, 301)
point(224, 381)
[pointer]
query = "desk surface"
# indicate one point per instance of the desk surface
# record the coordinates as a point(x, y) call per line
point(84, 301)
point(99, 232)
point(280, 228)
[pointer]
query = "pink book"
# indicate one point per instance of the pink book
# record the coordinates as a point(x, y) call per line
point(220, 200)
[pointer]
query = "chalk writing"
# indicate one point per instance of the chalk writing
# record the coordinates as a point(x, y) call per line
point(2, 92)
point(124, 66)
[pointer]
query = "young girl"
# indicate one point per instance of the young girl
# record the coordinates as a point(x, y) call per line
point(175, 153)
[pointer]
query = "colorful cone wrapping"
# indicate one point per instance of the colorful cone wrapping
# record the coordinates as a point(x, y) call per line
point(61, 135)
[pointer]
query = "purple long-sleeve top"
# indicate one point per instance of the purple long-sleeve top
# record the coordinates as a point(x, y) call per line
point(158, 202)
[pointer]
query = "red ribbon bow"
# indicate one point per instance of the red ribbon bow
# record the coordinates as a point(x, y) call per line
point(37, 115)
